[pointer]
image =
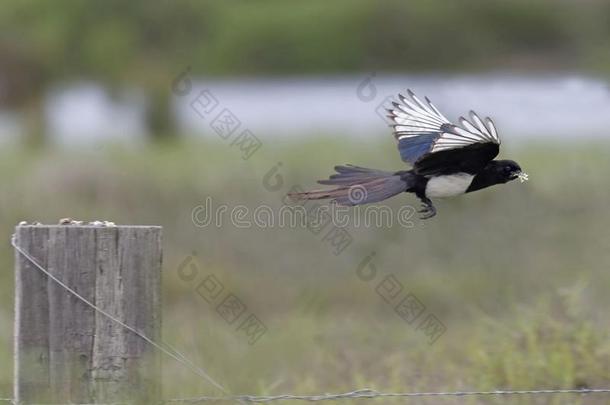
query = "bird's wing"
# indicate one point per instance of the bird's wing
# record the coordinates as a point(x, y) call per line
point(427, 140)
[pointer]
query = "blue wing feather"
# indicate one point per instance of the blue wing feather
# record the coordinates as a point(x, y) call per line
point(412, 148)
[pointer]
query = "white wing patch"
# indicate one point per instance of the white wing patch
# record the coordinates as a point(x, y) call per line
point(414, 118)
point(473, 131)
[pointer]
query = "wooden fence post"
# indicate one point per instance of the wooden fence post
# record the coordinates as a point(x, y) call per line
point(67, 352)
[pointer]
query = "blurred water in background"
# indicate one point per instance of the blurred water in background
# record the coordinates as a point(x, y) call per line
point(547, 106)
point(524, 106)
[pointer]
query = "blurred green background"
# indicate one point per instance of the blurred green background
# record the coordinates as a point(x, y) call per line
point(517, 274)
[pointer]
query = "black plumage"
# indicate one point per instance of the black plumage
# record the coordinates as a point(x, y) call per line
point(446, 159)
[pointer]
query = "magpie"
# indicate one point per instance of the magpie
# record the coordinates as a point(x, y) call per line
point(446, 160)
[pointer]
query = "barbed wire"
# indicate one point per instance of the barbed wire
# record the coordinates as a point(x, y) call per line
point(368, 393)
point(12, 401)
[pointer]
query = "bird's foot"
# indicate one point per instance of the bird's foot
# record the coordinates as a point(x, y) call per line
point(428, 211)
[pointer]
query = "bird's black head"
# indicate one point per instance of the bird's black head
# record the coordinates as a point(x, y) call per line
point(503, 171)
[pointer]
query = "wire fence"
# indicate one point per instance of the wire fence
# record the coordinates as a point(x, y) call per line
point(364, 394)
point(367, 393)
point(161, 346)
point(356, 394)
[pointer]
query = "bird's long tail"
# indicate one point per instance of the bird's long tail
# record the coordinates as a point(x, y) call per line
point(358, 185)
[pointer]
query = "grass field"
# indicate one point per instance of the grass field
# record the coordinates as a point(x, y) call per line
point(517, 274)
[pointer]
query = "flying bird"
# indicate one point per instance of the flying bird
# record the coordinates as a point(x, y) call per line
point(447, 160)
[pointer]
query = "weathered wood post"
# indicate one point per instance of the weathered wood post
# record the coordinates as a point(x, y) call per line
point(65, 350)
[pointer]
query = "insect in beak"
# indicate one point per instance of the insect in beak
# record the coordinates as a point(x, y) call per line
point(523, 177)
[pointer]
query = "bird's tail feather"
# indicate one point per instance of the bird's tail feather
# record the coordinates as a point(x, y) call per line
point(357, 185)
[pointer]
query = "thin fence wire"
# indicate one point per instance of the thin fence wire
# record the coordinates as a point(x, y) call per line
point(370, 394)
point(164, 348)
point(361, 393)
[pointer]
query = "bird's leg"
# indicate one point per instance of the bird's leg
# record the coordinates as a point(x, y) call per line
point(428, 210)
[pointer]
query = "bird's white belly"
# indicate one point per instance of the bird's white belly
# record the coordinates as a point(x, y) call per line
point(449, 185)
